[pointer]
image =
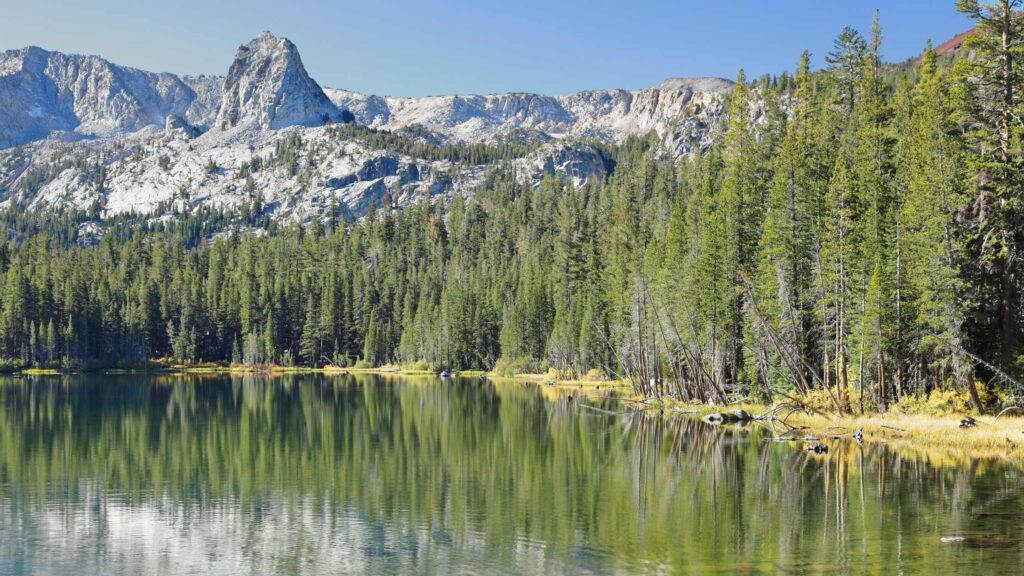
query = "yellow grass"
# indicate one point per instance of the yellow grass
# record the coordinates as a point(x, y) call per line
point(471, 373)
point(940, 437)
point(989, 437)
point(556, 390)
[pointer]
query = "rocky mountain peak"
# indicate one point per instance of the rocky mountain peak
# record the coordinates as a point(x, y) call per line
point(30, 57)
point(267, 86)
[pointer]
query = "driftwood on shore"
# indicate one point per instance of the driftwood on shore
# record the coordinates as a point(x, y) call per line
point(730, 416)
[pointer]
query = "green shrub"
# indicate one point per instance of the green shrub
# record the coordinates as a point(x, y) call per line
point(11, 365)
point(418, 366)
point(509, 367)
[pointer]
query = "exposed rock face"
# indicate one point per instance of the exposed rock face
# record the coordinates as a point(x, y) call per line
point(569, 160)
point(267, 86)
point(607, 115)
point(177, 126)
point(42, 92)
point(150, 172)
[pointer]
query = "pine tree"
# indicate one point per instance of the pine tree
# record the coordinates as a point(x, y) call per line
point(51, 341)
point(780, 312)
point(932, 251)
point(309, 345)
point(837, 253)
point(874, 225)
point(733, 230)
point(371, 343)
point(846, 60)
point(988, 88)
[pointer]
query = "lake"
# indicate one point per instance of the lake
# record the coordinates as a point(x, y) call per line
point(311, 474)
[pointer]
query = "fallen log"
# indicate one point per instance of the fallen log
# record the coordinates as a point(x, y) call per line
point(738, 415)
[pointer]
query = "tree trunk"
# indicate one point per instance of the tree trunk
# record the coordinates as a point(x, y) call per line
point(1006, 112)
point(1009, 329)
point(1007, 305)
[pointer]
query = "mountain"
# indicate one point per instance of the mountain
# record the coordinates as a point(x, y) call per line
point(294, 173)
point(606, 115)
point(79, 131)
point(47, 93)
point(268, 86)
point(43, 92)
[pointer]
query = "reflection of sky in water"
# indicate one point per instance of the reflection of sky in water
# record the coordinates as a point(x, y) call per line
point(307, 475)
point(104, 533)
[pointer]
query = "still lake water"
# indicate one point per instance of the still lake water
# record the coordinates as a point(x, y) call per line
point(328, 475)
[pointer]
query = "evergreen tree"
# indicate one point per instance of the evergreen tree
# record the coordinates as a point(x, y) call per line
point(932, 252)
point(988, 88)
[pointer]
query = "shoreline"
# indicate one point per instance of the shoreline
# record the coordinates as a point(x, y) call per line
point(990, 437)
point(938, 436)
point(277, 370)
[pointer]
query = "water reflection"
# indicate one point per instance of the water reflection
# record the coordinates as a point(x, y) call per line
point(310, 474)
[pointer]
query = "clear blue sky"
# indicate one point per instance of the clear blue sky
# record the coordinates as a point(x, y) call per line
point(407, 47)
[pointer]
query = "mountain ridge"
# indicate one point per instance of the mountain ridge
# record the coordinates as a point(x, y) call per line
point(211, 101)
point(45, 91)
point(79, 131)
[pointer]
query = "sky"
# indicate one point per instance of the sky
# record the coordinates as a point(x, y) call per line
point(430, 47)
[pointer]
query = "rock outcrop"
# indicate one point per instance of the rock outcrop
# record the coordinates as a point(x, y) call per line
point(268, 87)
point(349, 174)
point(606, 115)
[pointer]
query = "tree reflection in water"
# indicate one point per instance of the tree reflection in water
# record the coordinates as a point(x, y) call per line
point(310, 474)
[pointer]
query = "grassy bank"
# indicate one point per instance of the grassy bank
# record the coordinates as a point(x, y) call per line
point(988, 437)
point(933, 425)
point(937, 435)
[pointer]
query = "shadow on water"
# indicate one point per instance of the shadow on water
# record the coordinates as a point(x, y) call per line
point(313, 474)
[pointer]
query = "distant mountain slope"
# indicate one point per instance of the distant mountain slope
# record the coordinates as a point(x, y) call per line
point(43, 92)
point(608, 115)
point(953, 44)
point(79, 131)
